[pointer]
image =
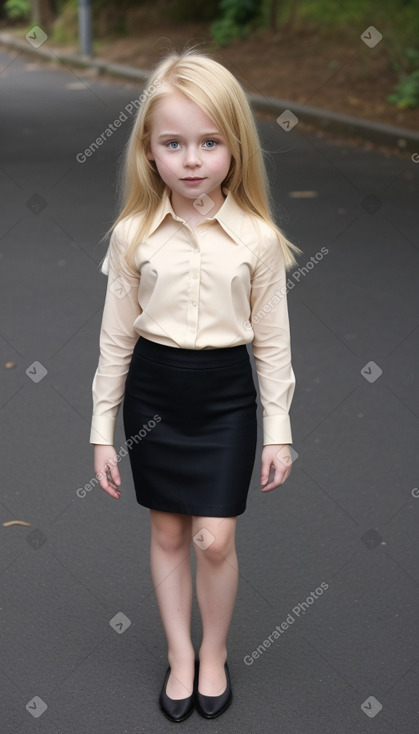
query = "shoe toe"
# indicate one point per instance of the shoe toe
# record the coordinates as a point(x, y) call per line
point(212, 706)
point(176, 709)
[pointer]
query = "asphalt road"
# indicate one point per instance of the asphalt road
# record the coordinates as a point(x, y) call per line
point(328, 563)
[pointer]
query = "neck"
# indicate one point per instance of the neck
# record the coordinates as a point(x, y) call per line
point(185, 209)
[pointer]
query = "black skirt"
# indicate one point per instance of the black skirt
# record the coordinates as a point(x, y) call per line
point(190, 426)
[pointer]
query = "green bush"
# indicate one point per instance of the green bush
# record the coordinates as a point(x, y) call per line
point(406, 93)
point(66, 25)
point(225, 30)
point(17, 9)
point(330, 12)
point(237, 20)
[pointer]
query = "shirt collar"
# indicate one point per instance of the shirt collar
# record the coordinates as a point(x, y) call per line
point(229, 215)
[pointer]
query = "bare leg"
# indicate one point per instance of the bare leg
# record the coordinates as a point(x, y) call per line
point(172, 580)
point(216, 588)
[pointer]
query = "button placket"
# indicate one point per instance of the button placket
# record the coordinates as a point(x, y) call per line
point(193, 300)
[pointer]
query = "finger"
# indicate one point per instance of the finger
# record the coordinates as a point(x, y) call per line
point(265, 470)
point(115, 475)
point(269, 485)
point(282, 463)
point(111, 489)
point(280, 476)
point(107, 481)
point(113, 479)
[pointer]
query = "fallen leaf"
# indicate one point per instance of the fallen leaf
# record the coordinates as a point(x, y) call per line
point(15, 522)
point(303, 194)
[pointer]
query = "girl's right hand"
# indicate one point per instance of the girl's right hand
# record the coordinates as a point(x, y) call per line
point(106, 469)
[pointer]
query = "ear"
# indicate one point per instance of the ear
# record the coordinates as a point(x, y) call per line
point(150, 155)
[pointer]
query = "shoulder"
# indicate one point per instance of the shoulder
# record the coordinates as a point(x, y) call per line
point(121, 237)
point(124, 231)
point(269, 250)
point(265, 233)
point(254, 231)
point(254, 223)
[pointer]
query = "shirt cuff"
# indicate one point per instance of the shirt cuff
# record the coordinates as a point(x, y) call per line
point(276, 429)
point(102, 430)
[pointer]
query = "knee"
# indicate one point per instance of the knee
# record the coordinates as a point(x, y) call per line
point(218, 550)
point(169, 539)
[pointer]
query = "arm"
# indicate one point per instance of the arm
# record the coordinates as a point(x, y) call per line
point(272, 352)
point(117, 340)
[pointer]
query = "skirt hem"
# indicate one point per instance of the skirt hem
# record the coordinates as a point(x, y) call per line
point(210, 512)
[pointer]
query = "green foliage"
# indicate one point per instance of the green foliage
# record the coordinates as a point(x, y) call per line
point(237, 20)
point(66, 26)
point(412, 55)
point(331, 12)
point(225, 29)
point(17, 9)
point(240, 11)
point(406, 93)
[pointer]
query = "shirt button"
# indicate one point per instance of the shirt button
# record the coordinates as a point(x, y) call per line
point(193, 303)
point(194, 276)
point(195, 249)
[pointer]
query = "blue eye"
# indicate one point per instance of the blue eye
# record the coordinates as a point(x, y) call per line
point(174, 144)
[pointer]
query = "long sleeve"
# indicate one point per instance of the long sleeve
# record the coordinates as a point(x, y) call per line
point(117, 341)
point(271, 344)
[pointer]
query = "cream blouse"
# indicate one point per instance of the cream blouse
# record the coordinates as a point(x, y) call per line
point(220, 284)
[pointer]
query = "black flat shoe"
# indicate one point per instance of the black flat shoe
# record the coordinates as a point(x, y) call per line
point(212, 706)
point(175, 709)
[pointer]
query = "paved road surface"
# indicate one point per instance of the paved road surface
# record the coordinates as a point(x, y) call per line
point(328, 563)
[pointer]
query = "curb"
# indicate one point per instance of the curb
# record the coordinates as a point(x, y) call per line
point(334, 122)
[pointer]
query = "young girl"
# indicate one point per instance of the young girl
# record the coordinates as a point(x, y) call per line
point(196, 270)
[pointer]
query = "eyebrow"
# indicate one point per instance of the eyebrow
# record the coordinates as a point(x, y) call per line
point(176, 135)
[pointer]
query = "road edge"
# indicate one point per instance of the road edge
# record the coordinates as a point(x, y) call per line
point(332, 122)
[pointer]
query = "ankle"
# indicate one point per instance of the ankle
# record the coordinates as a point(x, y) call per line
point(213, 655)
point(180, 658)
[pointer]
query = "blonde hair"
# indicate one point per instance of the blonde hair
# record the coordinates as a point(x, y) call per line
point(218, 93)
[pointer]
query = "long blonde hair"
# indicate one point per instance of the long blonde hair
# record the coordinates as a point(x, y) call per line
point(218, 93)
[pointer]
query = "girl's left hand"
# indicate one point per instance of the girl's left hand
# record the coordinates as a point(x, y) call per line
point(278, 456)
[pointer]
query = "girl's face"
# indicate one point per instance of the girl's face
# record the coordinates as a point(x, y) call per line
point(191, 155)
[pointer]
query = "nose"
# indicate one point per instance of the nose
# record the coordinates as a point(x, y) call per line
point(192, 157)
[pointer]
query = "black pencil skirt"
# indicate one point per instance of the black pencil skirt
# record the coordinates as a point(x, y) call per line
point(190, 427)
